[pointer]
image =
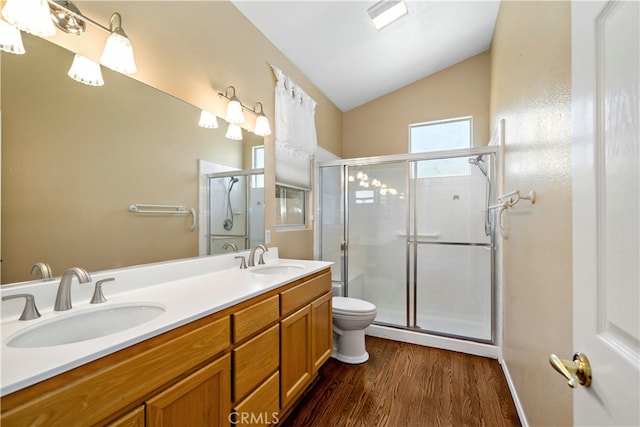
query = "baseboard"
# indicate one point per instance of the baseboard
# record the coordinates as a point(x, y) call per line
point(514, 394)
point(463, 346)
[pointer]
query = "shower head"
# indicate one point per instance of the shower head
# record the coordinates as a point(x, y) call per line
point(234, 179)
point(478, 161)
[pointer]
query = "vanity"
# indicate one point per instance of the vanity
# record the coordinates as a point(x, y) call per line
point(230, 346)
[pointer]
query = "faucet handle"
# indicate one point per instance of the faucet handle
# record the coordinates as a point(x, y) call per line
point(30, 310)
point(243, 263)
point(98, 296)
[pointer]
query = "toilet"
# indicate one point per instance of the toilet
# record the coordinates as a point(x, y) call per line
point(351, 316)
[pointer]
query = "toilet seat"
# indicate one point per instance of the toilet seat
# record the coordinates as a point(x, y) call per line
point(352, 307)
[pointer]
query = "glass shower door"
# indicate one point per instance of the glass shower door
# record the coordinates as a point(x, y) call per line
point(376, 238)
point(452, 250)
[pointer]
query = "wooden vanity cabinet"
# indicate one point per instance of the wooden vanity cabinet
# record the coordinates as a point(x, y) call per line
point(255, 358)
point(306, 339)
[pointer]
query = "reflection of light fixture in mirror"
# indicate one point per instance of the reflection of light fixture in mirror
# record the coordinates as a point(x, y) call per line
point(10, 38)
point(385, 12)
point(234, 132)
point(262, 122)
point(86, 71)
point(208, 120)
point(118, 53)
point(31, 16)
point(234, 107)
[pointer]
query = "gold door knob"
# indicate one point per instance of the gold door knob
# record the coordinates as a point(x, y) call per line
point(578, 370)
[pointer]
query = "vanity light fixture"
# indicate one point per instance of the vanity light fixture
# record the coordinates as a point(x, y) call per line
point(234, 132)
point(208, 120)
point(235, 113)
point(39, 16)
point(10, 38)
point(31, 16)
point(262, 122)
point(385, 12)
point(234, 107)
point(86, 71)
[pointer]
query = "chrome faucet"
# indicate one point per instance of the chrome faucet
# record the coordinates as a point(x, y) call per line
point(44, 269)
point(63, 298)
point(252, 255)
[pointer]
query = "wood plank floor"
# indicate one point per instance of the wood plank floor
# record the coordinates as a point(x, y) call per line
point(408, 385)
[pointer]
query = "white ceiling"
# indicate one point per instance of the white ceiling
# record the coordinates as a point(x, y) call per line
point(336, 46)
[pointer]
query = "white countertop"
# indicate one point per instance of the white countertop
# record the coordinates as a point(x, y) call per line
point(186, 299)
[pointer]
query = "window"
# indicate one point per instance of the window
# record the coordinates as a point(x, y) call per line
point(439, 136)
point(257, 162)
point(290, 206)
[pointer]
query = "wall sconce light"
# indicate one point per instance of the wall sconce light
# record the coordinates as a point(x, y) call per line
point(10, 38)
point(234, 132)
point(262, 122)
point(208, 120)
point(235, 114)
point(86, 71)
point(39, 16)
point(31, 16)
point(118, 53)
point(234, 107)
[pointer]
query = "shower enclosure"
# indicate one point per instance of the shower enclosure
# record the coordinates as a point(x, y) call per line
point(413, 235)
point(235, 210)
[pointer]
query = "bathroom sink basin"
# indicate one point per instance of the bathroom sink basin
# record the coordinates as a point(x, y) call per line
point(278, 269)
point(86, 325)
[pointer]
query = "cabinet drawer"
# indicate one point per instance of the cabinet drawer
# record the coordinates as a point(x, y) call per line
point(261, 407)
point(294, 298)
point(252, 319)
point(254, 361)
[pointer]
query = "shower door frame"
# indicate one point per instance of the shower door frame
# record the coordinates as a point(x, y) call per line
point(248, 174)
point(410, 159)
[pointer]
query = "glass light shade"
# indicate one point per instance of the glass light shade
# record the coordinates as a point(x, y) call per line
point(234, 132)
point(10, 38)
point(86, 71)
point(235, 114)
point(31, 16)
point(262, 126)
point(208, 120)
point(118, 54)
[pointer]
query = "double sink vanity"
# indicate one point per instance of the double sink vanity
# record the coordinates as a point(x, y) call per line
point(196, 342)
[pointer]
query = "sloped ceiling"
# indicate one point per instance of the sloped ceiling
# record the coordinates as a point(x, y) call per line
point(335, 44)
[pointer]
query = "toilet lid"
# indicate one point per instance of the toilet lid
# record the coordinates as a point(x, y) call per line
point(352, 305)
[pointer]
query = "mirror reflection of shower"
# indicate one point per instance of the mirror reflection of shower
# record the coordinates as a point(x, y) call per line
point(480, 163)
point(228, 221)
point(233, 211)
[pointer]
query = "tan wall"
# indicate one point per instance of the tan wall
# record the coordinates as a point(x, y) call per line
point(192, 50)
point(381, 127)
point(531, 90)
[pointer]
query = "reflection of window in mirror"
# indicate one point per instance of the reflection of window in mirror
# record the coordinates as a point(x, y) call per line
point(257, 162)
point(290, 207)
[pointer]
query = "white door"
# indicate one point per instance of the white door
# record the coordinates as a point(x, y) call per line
point(606, 216)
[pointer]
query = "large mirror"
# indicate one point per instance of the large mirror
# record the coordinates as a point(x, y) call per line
point(75, 157)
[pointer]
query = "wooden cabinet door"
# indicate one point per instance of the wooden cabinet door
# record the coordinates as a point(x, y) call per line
point(322, 331)
point(134, 418)
point(295, 354)
point(201, 399)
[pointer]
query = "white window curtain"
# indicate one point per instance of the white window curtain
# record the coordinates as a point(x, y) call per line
point(295, 133)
